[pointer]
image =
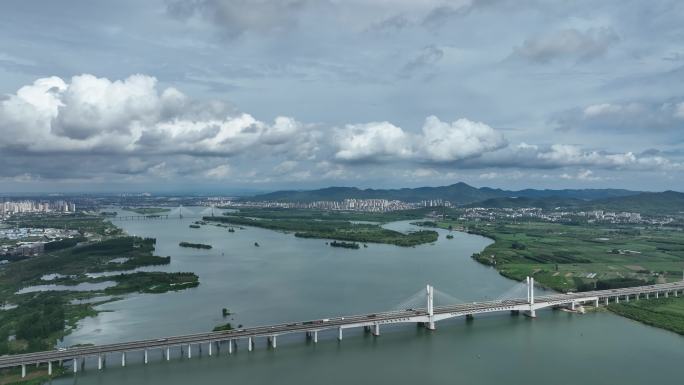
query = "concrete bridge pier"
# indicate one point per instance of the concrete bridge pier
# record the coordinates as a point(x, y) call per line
point(627, 298)
point(168, 354)
point(123, 359)
point(675, 293)
point(470, 317)
point(189, 350)
point(647, 295)
point(49, 368)
point(210, 343)
point(617, 299)
point(339, 334)
point(376, 330)
point(99, 362)
point(656, 294)
point(667, 293)
point(23, 371)
point(274, 342)
point(75, 363)
point(230, 346)
point(315, 336)
point(572, 305)
point(596, 302)
point(145, 357)
point(250, 345)
point(606, 301)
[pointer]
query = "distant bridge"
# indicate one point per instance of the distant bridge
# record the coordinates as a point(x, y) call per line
point(426, 316)
point(179, 212)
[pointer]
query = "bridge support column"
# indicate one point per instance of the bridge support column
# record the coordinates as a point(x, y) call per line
point(49, 368)
point(145, 356)
point(339, 334)
point(274, 343)
point(617, 299)
point(657, 295)
point(123, 359)
point(572, 305)
point(210, 343)
point(647, 295)
point(606, 301)
point(189, 351)
point(315, 336)
point(430, 325)
point(99, 362)
point(249, 344)
point(627, 298)
point(230, 346)
point(596, 303)
point(675, 293)
point(667, 293)
point(23, 371)
point(376, 330)
point(75, 361)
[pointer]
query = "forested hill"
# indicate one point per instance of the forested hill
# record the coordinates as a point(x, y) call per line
point(658, 202)
point(670, 202)
point(459, 193)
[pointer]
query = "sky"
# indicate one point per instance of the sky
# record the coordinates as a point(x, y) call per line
point(258, 95)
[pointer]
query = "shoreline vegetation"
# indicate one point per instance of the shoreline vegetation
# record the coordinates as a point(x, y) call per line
point(664, 313)
point(337, 226)
point(566, 257)
point(195, 245)
point(37, 319)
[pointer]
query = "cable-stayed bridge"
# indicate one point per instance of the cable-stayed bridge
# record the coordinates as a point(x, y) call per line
point(425, 314)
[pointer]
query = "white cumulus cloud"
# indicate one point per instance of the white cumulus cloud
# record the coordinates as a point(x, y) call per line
point(438, 141)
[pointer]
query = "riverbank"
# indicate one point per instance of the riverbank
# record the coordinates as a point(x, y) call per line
point(50, 293)
point(664, 313)
point(578, 258)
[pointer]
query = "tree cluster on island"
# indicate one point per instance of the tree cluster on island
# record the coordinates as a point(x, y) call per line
point(346, 245)
point(194, 245)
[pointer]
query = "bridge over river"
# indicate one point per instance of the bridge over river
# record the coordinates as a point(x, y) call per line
point(426, 316)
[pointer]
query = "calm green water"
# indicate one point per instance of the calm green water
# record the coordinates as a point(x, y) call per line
point(292, 279)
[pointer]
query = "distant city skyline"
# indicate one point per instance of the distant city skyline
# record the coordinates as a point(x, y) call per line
point(256, 96)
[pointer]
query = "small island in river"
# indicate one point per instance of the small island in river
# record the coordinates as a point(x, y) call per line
point(346, 245)
point(194, 245)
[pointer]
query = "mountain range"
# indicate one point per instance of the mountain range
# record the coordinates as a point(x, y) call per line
point(459, 193)
point(465, 195)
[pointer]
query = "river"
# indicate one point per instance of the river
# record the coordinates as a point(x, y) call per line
point(292, 279)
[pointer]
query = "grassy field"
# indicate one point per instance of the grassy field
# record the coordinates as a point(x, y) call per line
point(571, 258)
point(328, 226)
point(665, 313)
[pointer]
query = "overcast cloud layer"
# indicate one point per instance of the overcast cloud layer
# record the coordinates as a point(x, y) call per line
point(264, 94)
